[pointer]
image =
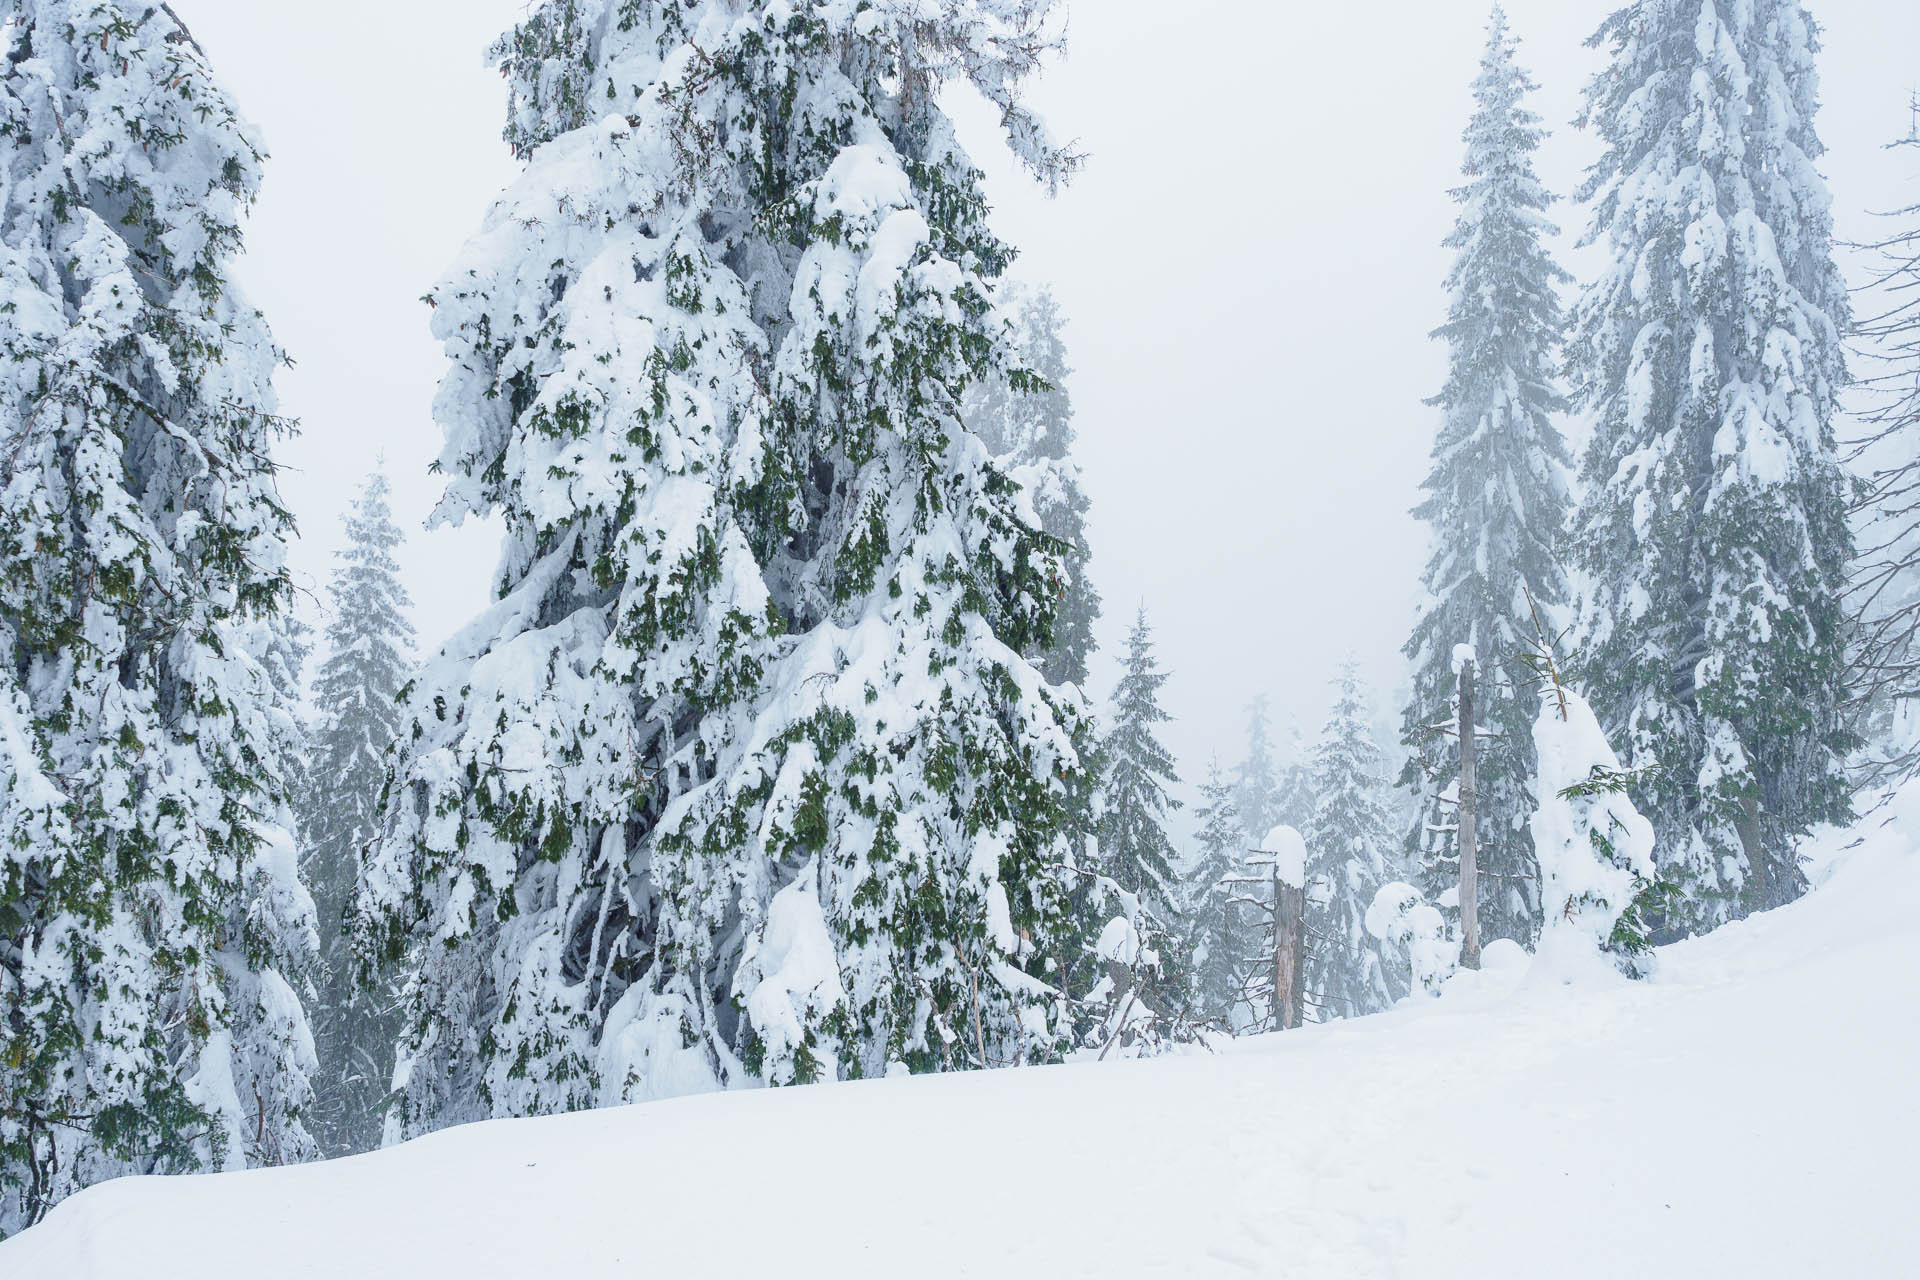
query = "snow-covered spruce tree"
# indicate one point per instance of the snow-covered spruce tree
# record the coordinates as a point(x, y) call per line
point(1293, 790)
point(1134, 847)
point(153, 931)
point(1255, 782)
point(1024, 415)
point(1596, 851)
point(1031, 435)
point(744, 777)
point(1349, 843)
point(1133, 867)
point(1496, 501)
point(1713, 528)
point(1402, 918)
point(369, 644)
point(282, 643)
point(1219, 934)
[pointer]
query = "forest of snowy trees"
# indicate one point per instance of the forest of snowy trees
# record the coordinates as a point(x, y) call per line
point(784, 749)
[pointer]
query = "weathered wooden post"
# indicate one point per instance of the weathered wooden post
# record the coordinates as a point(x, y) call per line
point(1288, 852)
point(1469, 797)
point(1289, 951)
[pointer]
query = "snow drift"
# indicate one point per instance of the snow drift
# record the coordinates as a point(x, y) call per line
point(1749, 1113)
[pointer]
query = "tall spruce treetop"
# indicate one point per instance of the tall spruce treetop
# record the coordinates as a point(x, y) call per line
point(1134, 848)
point(1031, 433)
point(1293, 796)
point(1255, 782)
point(1350, 844)
point(1218, 930)
point(744, 776)
point(153, 931)
point(369, 643)
point(1497, 499)
point(1713, 531)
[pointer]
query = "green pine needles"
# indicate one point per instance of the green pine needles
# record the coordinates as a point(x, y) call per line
point(1714, 527)
point(748, 774)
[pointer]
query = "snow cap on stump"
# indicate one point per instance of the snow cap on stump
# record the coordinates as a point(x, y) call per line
point(1288, 852)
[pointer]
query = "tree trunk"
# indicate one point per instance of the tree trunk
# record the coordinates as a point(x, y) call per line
point(1469, 847)
point(1289, 953)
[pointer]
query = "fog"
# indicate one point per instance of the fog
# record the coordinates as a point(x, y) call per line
point(1251, 262)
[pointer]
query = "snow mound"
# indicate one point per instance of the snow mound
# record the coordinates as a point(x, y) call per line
point(1750, 1113)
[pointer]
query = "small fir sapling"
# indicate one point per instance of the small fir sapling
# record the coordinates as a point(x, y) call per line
point(1596, 850)
point(1598, 880)
point(1401, 917)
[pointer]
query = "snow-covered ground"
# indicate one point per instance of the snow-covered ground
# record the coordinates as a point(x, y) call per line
point(1755, 1111)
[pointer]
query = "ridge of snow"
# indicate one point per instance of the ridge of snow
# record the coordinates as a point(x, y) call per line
point(1617, 1128)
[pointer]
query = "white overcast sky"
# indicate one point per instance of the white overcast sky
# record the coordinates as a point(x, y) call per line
point(1251, 263)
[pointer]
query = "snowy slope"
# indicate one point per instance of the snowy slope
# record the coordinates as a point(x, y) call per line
point(1752, 1113)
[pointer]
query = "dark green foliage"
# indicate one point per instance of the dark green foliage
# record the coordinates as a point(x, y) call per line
point(1026, 419)
point(1134, 848)
point(1714, 527)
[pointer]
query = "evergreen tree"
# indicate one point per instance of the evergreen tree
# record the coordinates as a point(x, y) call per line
point(1029, 431)
point(1134, 848)
point(1596, 850)
point(282, 644)
point(1497, 498)
point(1219, 933)
point(1255, 787)
point(1713, 528)
point(1132, 880)
point(744, 777)
point(369, 642)
point(1402, 919)
point(1348, 846)
point(153, 930)
point(1293, 796)
point(1031, 434)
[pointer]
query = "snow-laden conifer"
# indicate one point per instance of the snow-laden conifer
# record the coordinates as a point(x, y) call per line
point(1350, 843)
point(1402, 918)
point(1126, 897)
point(1293, 789)
point(1713, 533)
point(1131, 880)
point(1031, 434)
point(1135, 849)
point(368, 659)
point(1219, 933)
point(743, 776)
point(282, 643)
point(1596, 850)
point(1024, 415)
point(154, 935)
point(1256, 781)
point(1496, 500)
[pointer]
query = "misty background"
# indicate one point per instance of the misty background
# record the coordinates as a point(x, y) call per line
point(1251, 264)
